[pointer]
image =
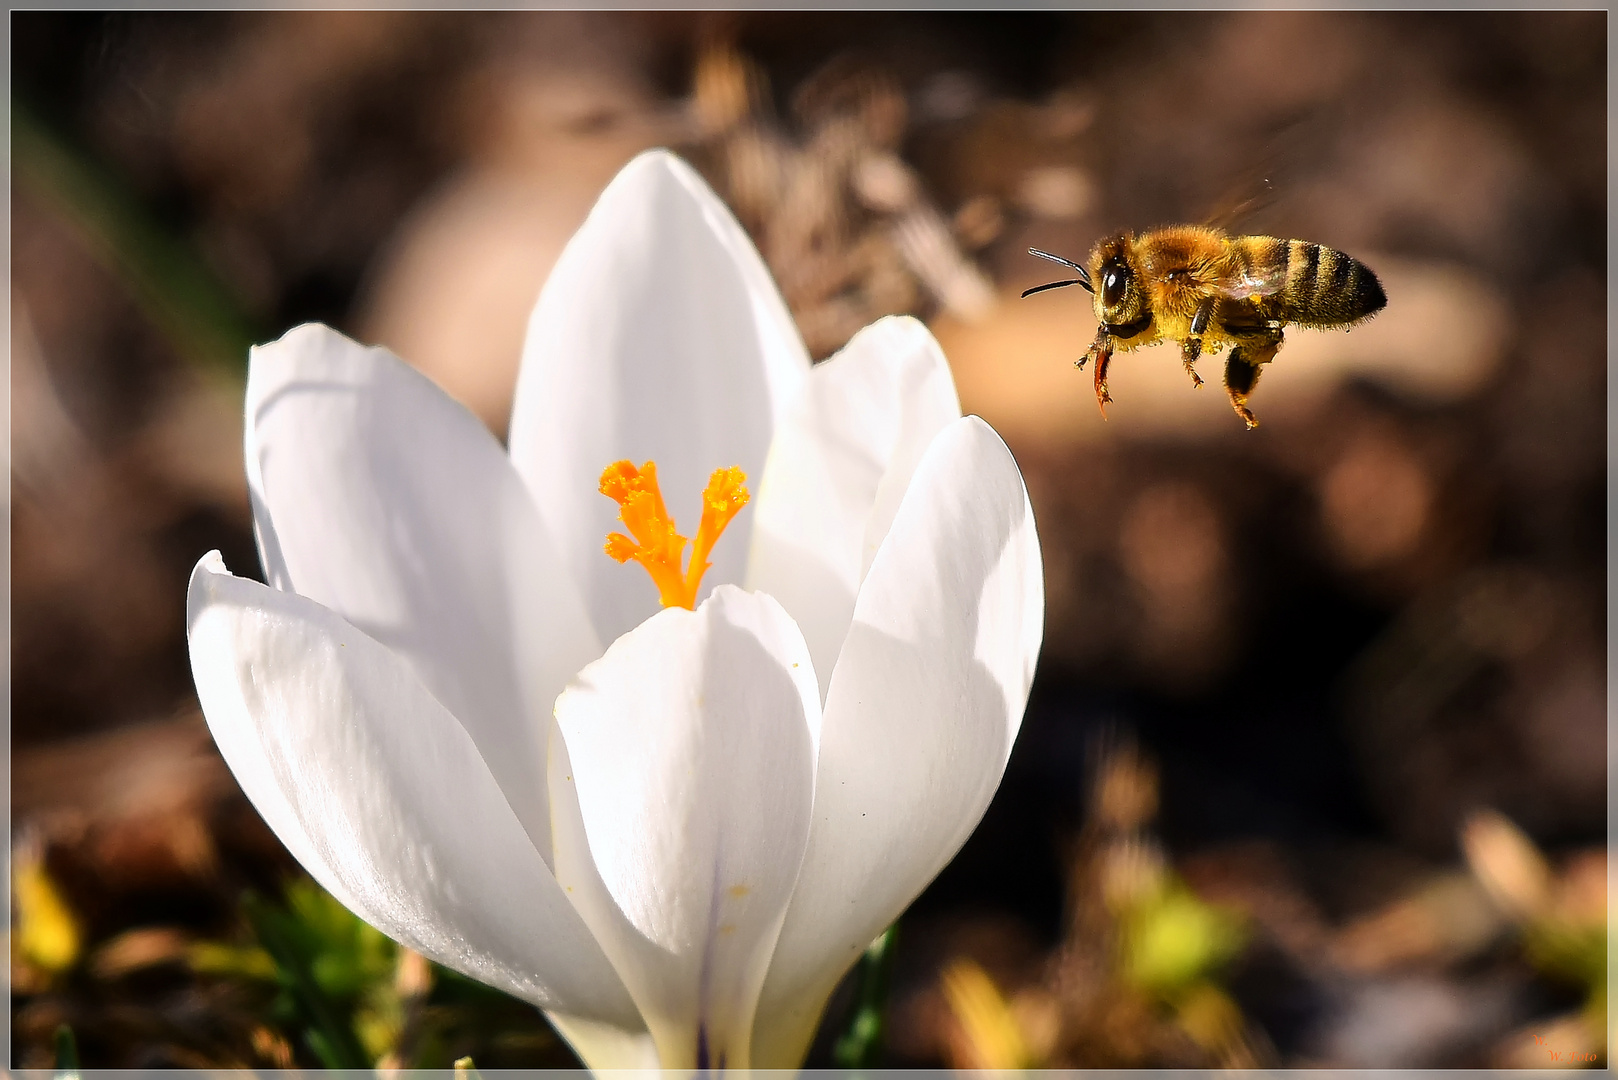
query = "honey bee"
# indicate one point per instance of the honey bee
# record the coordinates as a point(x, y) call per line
point(1208, 290)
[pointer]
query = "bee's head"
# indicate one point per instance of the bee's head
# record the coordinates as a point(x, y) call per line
point(1119, 297)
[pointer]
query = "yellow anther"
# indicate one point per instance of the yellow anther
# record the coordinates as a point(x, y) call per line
point(653, 542)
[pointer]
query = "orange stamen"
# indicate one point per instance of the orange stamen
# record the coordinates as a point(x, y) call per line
point(655, 544)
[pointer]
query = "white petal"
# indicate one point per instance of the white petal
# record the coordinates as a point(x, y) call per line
point(378, 791)
point(842, 458)
point(379, 497)
point(659, 336)
point(682, 773)
point(924, 704)
point(603, 1046)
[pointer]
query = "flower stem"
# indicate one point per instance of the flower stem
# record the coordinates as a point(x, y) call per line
point(860, 1045)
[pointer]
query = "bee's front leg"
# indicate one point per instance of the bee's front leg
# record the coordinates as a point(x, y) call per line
point(1102, 397)
point(1101, 353)
point(1102, 344)
point(1191, 347)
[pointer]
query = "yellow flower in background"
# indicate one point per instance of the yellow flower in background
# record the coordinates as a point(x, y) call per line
point(45, 932)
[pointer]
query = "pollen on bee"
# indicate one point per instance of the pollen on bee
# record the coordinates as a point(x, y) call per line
point(653, 541)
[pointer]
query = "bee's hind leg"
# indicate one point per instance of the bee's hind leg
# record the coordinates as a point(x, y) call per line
point(1241, 375)
point(1191, 347)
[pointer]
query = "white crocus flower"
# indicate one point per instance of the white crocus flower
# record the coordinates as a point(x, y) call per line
point(673, 830)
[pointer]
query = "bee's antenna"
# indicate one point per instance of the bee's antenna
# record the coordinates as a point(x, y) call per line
point(1056, 285)
point(1082, 279)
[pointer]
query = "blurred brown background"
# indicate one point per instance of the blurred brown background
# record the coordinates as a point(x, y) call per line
point(1301, 660)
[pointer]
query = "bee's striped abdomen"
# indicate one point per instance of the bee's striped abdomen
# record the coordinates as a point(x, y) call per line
point(1324, 287)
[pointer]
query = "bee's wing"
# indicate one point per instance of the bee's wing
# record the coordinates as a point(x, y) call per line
point(1253, 281)
point(1233, 212)
point(1266, 174)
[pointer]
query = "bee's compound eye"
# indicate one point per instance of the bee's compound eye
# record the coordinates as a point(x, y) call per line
point(1114, 280)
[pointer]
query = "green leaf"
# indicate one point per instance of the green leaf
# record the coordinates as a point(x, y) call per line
point(295, 947)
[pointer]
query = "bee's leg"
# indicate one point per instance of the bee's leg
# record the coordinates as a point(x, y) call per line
point(1102, 397)
point(1102, 344)
point(1241, 375)
point(1101, 353)
point(1191, 347)
point(1240, 378)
